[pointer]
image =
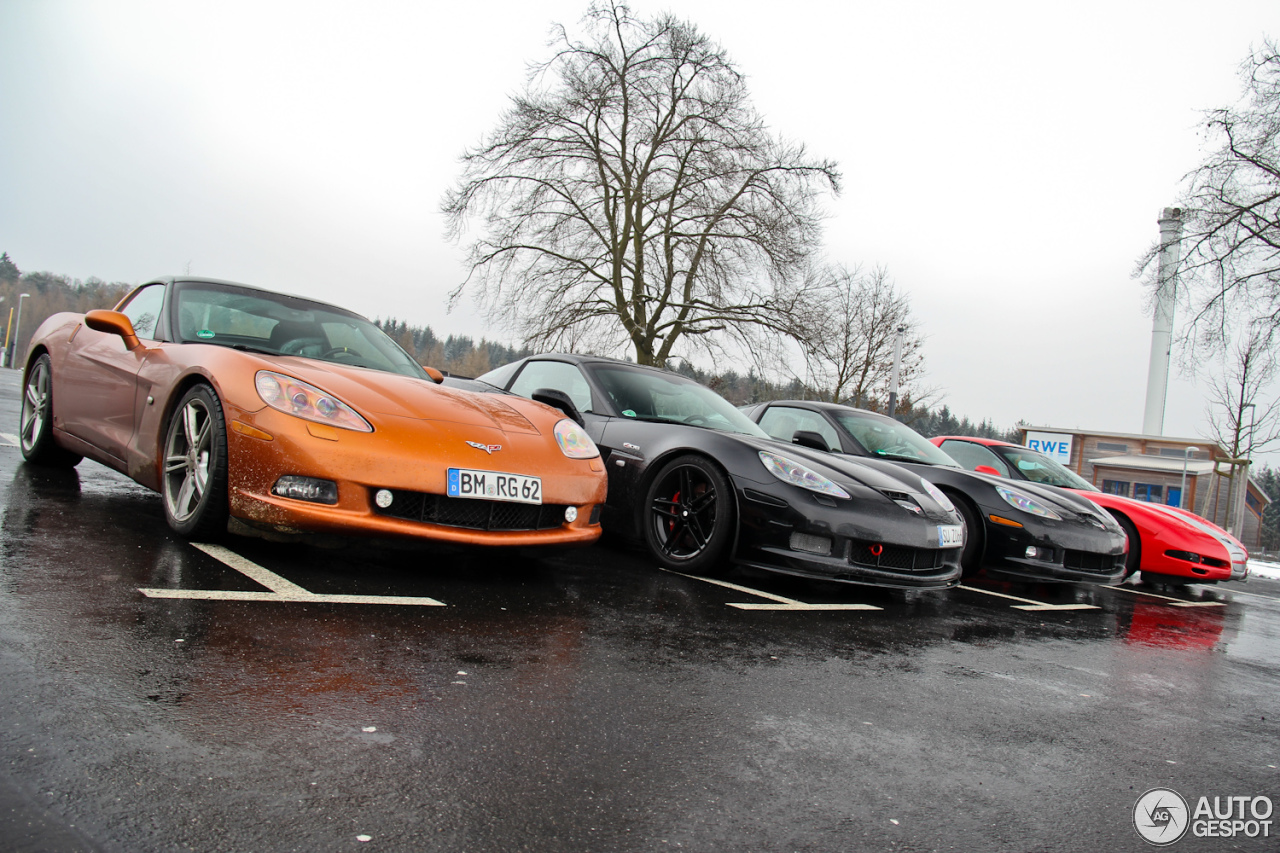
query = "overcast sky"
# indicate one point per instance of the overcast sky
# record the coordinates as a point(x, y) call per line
point(1006, 161)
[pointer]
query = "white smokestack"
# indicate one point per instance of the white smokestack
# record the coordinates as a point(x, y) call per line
point(1162, 328)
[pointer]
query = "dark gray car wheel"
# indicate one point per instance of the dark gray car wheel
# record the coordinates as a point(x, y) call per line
point(974, 534)
point(1133, 559)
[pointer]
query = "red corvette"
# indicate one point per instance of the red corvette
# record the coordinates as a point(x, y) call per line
point(1167, 544)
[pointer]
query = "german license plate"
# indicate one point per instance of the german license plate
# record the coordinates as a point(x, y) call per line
point(494, 486)
point(950, 535)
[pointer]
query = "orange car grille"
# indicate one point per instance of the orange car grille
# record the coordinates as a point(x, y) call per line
point(472, 514)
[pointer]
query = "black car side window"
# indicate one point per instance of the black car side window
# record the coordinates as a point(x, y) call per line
point(554, 374)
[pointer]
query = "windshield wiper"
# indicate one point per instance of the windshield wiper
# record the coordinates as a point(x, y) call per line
point(247, 348)
point(886, 455)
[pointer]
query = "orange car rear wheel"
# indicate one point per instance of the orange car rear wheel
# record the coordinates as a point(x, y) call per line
point(36, 422)
point(195, 466)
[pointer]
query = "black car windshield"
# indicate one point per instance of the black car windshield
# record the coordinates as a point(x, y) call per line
point(892, 440)
point(276, 324)
point(647, 395)
point(1038, 468)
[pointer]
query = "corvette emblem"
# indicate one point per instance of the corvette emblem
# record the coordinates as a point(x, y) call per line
point(487, 448)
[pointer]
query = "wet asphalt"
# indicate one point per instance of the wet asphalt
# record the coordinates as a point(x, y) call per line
point(586, 700)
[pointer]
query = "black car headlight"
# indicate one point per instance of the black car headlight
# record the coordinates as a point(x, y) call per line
point(794, 473)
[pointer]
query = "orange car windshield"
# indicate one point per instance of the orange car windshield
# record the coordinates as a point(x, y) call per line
point(276, 324)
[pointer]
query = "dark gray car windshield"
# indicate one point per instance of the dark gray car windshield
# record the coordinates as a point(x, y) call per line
point(1039, 468)
point(276, 324)
point(892, 440)
point(647, 395)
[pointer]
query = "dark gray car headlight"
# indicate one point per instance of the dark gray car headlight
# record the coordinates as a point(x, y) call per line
point(1023, 501)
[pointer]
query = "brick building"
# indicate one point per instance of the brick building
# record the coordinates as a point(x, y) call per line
point(1154, 467)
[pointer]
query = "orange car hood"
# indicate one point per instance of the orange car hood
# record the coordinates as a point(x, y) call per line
point(377, 392)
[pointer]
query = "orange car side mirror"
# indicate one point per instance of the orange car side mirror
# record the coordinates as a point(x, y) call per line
point(113, 323)
point(435, 375)
point(987, 469)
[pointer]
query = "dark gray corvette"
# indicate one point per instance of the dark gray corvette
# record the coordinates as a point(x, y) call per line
point(701, 485)
point(1024, 531)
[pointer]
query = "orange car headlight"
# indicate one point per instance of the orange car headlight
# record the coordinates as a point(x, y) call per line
point(297, 398)
point(574, 441)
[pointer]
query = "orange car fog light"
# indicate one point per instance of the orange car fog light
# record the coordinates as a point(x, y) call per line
point(306, 489)
point(571, 514)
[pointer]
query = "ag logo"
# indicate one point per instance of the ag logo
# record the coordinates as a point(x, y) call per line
point(487, 448)
point(1161, 816)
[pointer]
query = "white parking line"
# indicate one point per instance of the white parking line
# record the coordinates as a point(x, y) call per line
point(1030, 603)
point(779, 602)
point(1176, 602)
point(6, 438)
point(1251, 594)
point(281, 589)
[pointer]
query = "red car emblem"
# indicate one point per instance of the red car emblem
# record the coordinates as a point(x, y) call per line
point(487, 448)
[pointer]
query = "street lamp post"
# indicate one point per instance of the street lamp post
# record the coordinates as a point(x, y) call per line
point(897, 364)
point(13, 353)
point(1238, 521)
point(1182, 490)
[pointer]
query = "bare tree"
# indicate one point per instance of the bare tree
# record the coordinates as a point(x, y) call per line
point(1230, 264)
point(633, 196)
point(850, 357)
point(1240, 416)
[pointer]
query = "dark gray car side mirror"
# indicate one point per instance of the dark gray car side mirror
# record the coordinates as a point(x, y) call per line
point(808, 438)
point(557, 399)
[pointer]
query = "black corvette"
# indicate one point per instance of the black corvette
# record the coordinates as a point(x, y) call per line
point(702, 486)
point(1027, 531)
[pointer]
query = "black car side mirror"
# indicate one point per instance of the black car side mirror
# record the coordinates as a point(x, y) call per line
point(557, 399)
point(808, 438)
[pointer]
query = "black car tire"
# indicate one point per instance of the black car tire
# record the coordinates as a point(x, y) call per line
point(971, 556)
point(1133, 559)
point(194, 478)
point(688, 515)
point(36, 421)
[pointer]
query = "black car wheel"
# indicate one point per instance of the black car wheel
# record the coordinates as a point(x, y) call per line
point(195, 466)
point(971, 556)
point(689, 515)
point(36, 422)
point(1133, 559)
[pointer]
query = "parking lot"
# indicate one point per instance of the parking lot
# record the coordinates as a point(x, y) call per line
point(162, 695)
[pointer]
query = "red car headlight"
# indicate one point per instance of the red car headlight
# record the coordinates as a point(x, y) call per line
point(298, 398)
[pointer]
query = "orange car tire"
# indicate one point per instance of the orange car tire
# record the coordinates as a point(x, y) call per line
point(194, 472)
point(36, 422)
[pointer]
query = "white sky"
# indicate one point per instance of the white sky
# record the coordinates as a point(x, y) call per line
point(1006, 161)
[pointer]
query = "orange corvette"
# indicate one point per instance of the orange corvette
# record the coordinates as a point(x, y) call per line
point(259, 412)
